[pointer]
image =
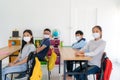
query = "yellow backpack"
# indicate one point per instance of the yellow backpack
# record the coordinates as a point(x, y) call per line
point(37, 70)
point(52, 60)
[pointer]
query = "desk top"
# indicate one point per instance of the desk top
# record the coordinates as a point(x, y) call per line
point(67, 53)
point(6, 51)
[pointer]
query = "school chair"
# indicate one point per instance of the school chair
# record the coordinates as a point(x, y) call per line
point(101, 72)
point(29, 66)
point(51, 62)
point(55, 43)
point(105, 70)
point(99, 75)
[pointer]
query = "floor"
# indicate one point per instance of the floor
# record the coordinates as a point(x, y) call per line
point(56, 76)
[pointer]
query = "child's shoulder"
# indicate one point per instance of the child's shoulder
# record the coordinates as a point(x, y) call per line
point(31, 45)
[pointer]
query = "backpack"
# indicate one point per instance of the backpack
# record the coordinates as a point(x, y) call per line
point(33, 67)
point(106, 68)
point(37, 71)
point(51, 61)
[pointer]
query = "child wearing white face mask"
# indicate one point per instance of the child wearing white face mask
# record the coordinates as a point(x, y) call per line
point(81, 42)
point(43, 48)
point(20, 64)
point(94, 49)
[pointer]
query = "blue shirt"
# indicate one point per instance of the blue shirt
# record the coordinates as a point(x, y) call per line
point(79, 44)
point(43, 53)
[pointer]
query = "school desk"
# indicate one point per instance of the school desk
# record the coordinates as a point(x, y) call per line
point(5, 52)
point(67, 53)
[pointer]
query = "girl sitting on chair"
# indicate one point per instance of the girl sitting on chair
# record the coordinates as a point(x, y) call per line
point(20, 64)
point(94, 49)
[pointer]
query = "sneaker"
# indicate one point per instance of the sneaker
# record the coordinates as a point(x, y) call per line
point(20, 76)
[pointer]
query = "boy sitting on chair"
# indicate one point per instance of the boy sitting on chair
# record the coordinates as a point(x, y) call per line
point(45, 45)
point(77, 46)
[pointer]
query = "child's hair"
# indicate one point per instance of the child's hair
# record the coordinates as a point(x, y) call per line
point(99, 27)
point(79, 32)
point(47, 29)
point(31, 41)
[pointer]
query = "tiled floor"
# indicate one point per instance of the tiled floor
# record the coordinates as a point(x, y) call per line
point(56, 76)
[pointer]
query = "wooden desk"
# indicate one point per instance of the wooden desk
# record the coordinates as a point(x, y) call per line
point(5, 52)
point(67, 53)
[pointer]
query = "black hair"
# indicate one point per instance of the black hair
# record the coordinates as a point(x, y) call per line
point(99, 27)
point(31, 41)
point(47, 29)
point(79, 32)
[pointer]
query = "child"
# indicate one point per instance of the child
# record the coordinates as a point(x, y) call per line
point(94, 49)
point(20, 64)
point(45, 45)
point(81, 42)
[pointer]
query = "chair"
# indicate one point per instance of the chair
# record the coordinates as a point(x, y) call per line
point(29, 66)
point(100, 74)
point(55, 43)
point(14, 73)
point(51, 62)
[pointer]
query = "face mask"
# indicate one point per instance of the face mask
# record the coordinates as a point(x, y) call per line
point(96, 35)
point(26, 39)
point(78, 38)
point(46, 36)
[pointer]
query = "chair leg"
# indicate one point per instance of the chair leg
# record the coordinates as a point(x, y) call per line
point(5, 76)
point(94, 77)
point(11, 76)
point(49, 73)
point(48, 70)
point(59, 64)
point(75, 64)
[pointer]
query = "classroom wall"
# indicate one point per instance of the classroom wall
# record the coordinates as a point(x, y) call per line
point(35, 15)
point(85, 14)
point(65, 15)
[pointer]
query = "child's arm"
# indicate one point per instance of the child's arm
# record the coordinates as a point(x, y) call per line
point(41, 48)
point(18, 63)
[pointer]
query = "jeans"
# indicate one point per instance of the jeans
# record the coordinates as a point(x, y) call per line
point(90, 70)
point(19, 68)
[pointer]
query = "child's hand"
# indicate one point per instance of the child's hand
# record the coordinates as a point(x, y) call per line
point(79, 53)
point(11, 64)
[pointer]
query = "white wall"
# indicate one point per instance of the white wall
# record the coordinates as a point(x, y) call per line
point(65, 15)
point(36, 15)
point(106, 13)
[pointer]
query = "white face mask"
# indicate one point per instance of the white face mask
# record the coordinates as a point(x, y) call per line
point(78, 38)
point(46, 36)
point(96, 35)
point(26, 39)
